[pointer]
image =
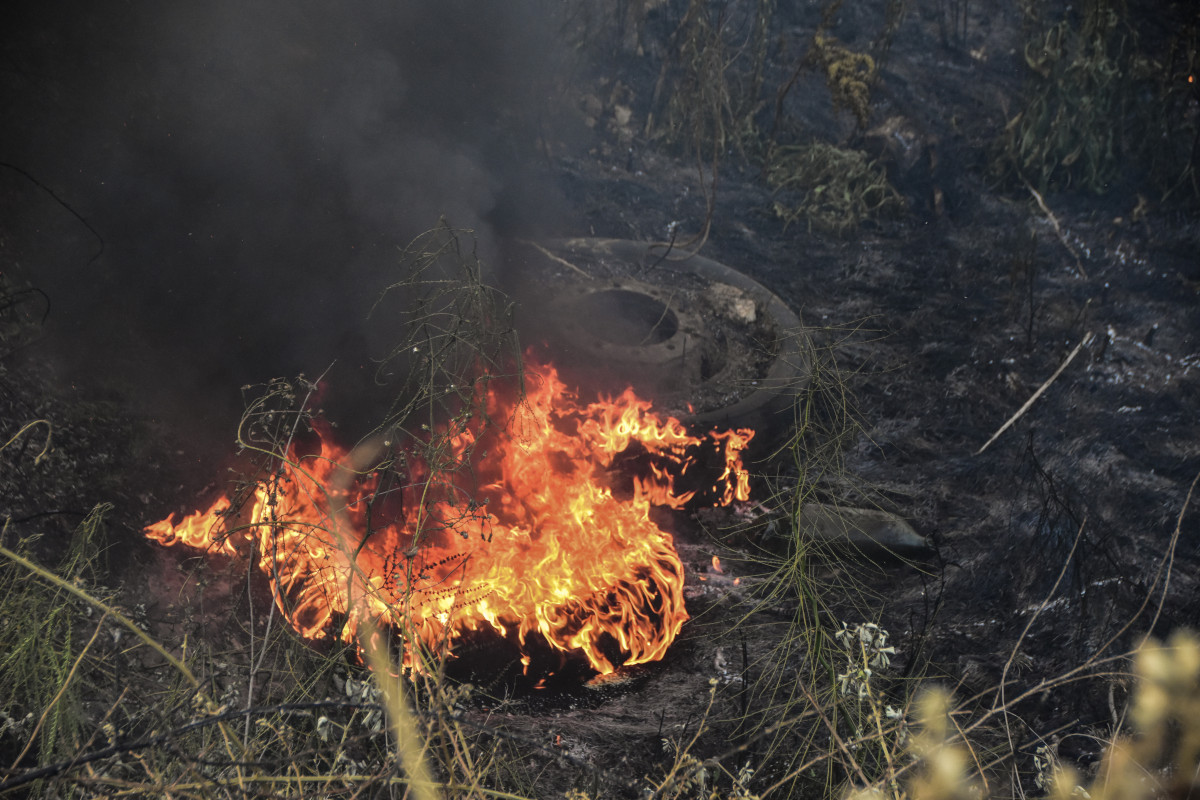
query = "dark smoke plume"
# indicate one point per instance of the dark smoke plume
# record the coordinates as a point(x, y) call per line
point(252, 168)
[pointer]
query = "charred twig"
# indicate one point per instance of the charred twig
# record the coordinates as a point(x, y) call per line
point(1041, 389)
point(674, 230)
point(557, 259)
point(1062, 237)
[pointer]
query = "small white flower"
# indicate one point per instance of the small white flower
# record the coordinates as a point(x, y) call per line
point(324, 728)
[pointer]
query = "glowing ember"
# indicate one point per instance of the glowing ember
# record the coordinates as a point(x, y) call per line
point(539, 547)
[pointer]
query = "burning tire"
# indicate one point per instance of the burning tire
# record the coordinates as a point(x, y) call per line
point(709, 344)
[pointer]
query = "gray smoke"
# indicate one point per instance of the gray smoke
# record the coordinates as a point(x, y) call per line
point(252, 167)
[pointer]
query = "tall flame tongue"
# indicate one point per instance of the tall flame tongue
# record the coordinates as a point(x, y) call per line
point(542, 548)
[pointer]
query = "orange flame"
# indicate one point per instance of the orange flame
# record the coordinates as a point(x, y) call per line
point(540, 546)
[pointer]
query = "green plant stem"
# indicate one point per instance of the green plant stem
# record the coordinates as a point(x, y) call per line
point(54, 580)
point(28, 427)
point(61, 691)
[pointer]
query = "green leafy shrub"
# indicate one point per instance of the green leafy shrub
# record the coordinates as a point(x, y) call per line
point(1102, 106)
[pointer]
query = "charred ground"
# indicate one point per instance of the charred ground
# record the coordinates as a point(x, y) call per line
point(942, 320)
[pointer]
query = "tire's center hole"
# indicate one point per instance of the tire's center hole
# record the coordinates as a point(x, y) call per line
point(625, 317)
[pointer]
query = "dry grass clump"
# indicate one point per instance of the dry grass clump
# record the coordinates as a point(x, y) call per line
point(1158, 757)
point(1161, 756)
point(708, 91)
point(830, 188)
point(40, 650)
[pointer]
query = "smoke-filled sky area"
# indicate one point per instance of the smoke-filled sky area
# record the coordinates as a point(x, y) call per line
point(252, 167)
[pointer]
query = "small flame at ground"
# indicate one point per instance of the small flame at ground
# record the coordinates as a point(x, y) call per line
point(539, 547)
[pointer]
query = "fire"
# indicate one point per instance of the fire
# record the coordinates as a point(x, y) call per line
point(543, 545)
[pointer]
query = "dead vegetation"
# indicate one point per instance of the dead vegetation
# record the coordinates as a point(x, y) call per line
point(829, 188)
